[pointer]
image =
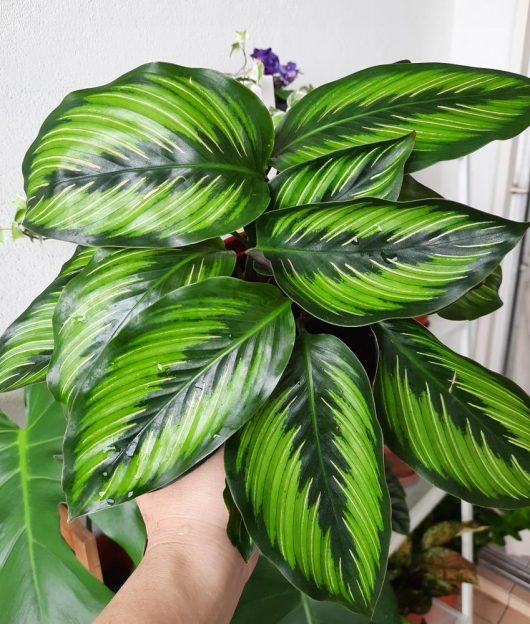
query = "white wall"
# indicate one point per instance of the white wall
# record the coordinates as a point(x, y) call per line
point(51, 47)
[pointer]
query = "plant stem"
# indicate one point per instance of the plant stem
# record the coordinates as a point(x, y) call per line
point(241, 239)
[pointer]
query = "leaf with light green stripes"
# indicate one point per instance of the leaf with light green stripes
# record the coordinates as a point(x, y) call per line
point(374, 170)
point(354, 263)
point(463, 427)
point(453, 109)
point(307, 475)
point(480, 300)
point(27, 344)
point(41, 581)
point(163, 156)
point(168, 387)
point(117, 285)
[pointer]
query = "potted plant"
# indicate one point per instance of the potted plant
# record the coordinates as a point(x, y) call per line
point(161, 348)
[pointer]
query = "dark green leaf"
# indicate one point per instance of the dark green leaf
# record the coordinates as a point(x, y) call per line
point(374, 170)
point(307, 475)
point(163, 156)
point(268, 598)
point(354, 263)
point(398, 502)
point(123, 524)
point(480, 300)
point(41, 581)
point(454, 110)
point(168, 386)
point(411, 190)
point(461, 426)
point(27, 344)
point(236, 530)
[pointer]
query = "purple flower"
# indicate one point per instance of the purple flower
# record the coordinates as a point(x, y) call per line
point(287, 73)
point(271, 62)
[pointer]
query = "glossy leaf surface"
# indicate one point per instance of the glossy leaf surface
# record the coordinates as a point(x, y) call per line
point(163, 156)
point(41, 581)
point(235, 529)
point(453, 110)
point(354, 263)
point(374, 170)
point(480, 300)
point(307, 475)
point(268, 598)
point(27, 344)
point(464, 428)
point(176, 380)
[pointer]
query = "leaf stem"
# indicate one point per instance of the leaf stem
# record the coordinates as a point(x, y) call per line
point(242, 239)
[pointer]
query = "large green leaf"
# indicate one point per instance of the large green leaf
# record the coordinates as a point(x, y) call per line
point(163, 156)
point(27, 344)
point(41, 581)
point(374, 170)
point(307, 475)
point(268, 598)
point(454, 110)
point(354, 263)
point(463, 427)
point(480, 300)
point(123, 524)
point(117, 285)
point(169, 386)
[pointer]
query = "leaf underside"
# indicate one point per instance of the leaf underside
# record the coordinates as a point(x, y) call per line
point(466, 429)
point(307, 475)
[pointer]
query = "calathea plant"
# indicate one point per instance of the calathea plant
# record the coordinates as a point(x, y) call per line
point(162, 348)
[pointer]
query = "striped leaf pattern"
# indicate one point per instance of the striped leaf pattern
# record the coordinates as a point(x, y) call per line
point(453, 110)
point(463, 427)
point(117, 285)
point(354, 263)
point(170, 386)
point(480, 300)
point(307, 475)
point(374, 170)
point(27, 344)
point(41, 581)
point(163, 156)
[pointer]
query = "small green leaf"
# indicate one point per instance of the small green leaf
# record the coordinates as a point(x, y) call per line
point(163, 156)
point(27, 344)
point(411, 190)
point(358, 262)
point(374, 170)
point(463, 427)
point(41, 581)
point(165, 388)
point(123, 524)
point(442, 532)
point(453, 109)
point(449, 566)
point(480, 300)
point(307, 475)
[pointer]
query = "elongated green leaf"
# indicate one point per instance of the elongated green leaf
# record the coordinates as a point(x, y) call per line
point(268, 598)
point(115, 288)
point(374, 170)
point(307, 475)
point(354, 263)
point(41, 581)
point(412, 190)
point(463, 427)
point(454, 110)
point(170, 386)
point(480, 300)
point(163, 156)
point(236, 530)
point(123, 524)
point(398, 502)
point(27, 344)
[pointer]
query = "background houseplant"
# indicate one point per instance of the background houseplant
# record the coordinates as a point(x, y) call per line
point(159, 356)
